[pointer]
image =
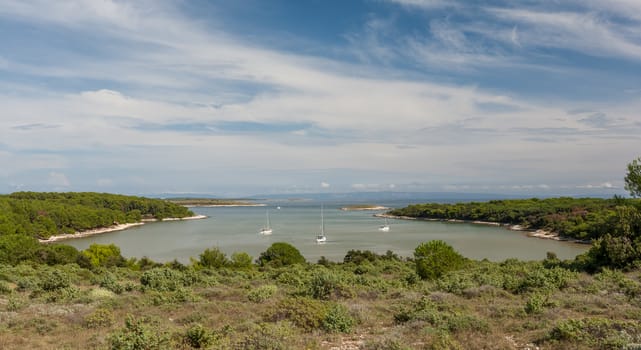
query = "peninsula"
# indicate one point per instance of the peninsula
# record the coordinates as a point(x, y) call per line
point(214, 202)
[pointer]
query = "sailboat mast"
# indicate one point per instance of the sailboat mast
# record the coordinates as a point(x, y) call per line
point(322, 222)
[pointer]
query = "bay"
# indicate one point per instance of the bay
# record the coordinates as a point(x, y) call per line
point(235, 229)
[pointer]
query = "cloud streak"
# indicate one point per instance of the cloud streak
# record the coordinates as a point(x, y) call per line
point(172, 92)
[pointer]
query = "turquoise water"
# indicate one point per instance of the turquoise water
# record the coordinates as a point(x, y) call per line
point(235, 229)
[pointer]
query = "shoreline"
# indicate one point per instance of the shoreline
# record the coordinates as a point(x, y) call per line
point(113, 228)
point(223, 205)
point(365, 208)
point(538, 233)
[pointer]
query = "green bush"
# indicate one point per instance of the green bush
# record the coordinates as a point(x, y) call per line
point(338, 319)
point(162, 279)
point(138, 334)
point(535, 304)
point(213, 258)
point(198, 337)
point(15, 248)
point(323, 284)
point(262, 293)
point(99, 318)
point(5, 288)
point(434, 258)
point(58, 254)
point(599, 333)
point(308, 314)
point(52, 280)
point(109, 281)
point(281, 254)
point(265, 336)
point(103, 255)
point(241, 260)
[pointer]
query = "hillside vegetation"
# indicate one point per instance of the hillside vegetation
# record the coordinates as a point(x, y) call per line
point(96, 299)
point(54, 296)
point(41, 214)
point(581, 218)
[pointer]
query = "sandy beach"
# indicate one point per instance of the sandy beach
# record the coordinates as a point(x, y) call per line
point(224, 205)
point(113, 228)
point(543, 234)
point(365, 208)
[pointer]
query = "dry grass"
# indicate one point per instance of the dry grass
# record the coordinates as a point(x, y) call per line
point(479, 317)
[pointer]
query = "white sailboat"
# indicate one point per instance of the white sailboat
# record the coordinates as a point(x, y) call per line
point(384, 227)
point(321, 238)
point(267, 229)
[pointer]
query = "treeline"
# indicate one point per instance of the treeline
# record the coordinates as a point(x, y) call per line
point(581, 218)
point(614, 225)
point(43, 214)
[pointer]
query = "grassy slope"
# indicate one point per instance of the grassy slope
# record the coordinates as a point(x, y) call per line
point(485, 305)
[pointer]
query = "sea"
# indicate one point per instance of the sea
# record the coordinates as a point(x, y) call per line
point(235, 229)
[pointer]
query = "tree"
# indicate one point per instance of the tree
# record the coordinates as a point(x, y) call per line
point(280, 254)
point(213, 258)
point(633, 178)
point(435, 258)
point(103, 255)
point(241, 260)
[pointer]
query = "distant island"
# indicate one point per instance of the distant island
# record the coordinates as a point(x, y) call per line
point(364, 207)
point(214, 202)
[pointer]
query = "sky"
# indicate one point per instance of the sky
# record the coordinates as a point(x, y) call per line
point(237, 98)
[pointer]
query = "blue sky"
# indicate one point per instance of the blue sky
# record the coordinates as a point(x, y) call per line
point(234, 98)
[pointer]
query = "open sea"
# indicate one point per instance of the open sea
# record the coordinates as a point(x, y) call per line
point(235, 229)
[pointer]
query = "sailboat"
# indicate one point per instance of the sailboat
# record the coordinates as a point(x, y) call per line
point(267, 229)
point(321, 238)
point(384, 227)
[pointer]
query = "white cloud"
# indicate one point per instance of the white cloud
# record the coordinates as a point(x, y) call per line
point(426, 4)
point(581, 31)
point(58, 179)
point(356, 117)
point(324, 184)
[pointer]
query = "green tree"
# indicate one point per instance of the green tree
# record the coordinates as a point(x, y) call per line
point(213, 258)
point(633, 178)
point(17, 248)
point(241, 260)
point(435, 258)
point(103, 255)
point(280, 254)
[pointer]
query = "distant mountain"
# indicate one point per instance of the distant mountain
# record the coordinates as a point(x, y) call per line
point(392, 196)
point(375, 197)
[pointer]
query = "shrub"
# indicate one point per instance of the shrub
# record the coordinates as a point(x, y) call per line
point(58, 254)
point(281, 254)
point(53, 280)
point(338, 319)
point(535, 304)
point(262, 293)
point(213, 258)
point(109, 282)
point(265, 336)
point(596, 332)
point(15, 248)
point(138, 334)
point(241, 260)
point(162, 279)
point(103, 255)
point(5, 288)
point(435, 258)
point(308, 314)
point(99, 318)
point(198, 337)
point(323, 283)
